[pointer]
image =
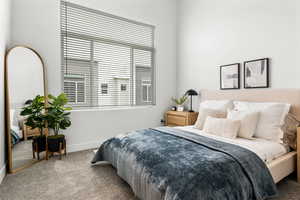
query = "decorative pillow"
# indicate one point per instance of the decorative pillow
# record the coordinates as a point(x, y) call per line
point(222, 105)
point(248, 122)
point(222, 127)
point(204, 113)
point(271, 118)
point(289, 129)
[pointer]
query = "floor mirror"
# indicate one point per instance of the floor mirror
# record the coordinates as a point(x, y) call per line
point(24, 80)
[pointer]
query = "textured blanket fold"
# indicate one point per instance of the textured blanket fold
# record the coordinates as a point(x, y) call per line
point(171, 164)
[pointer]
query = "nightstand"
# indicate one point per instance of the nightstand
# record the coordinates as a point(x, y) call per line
point(28, 132)
point(176, 118)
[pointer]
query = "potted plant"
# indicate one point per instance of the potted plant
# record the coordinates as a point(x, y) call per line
point(35, 117)
point(180, 102)
point(58, 118)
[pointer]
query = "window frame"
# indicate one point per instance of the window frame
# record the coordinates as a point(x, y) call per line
point(107, 91)
point(76, 91)
point(121, 89)
point(148, 86)
point(132, 47)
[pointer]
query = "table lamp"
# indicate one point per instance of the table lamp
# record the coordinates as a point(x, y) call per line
point(191, 93)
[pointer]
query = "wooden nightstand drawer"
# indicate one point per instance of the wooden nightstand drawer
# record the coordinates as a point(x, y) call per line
point(175, 118)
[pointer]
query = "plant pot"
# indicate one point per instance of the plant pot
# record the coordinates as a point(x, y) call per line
point(40, 142)
point(180, 108)
point(54, 141)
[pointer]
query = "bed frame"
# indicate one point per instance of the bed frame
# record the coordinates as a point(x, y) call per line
point(288, 163)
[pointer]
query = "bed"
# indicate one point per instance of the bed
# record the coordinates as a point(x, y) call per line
point(289, 162)
point(184, 163)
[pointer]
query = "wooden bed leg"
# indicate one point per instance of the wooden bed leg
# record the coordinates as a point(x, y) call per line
point(298, 155)
point(47, 154)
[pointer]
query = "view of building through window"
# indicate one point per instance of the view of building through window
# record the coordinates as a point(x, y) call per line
point(108, 63)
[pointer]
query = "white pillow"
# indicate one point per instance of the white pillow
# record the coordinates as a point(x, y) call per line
point(248, 122)
point(204, 113)
point(222, 127)
point(12, 116)
point(271, 118)
point(222, 105)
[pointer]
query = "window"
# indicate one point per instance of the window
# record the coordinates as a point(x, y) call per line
point(146, 91)
point(112, 53)
point(123, 87)
point(74, 88)
point(104, 88)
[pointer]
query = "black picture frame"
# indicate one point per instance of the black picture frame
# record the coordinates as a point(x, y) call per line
point(225, 67)
point(262, 63)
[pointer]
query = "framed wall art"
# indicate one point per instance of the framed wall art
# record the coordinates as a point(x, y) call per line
point(230, 76)
point(256, 73)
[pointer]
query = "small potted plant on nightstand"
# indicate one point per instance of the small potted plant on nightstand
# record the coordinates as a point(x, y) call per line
point(180, 102)
point(58, 118)
point(34, 111)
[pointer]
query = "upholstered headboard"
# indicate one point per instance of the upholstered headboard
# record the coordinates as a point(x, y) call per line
point(291, 96)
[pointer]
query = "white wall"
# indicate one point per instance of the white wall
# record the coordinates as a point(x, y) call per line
point(37, 24)
point(4, 38)
point(214, 32)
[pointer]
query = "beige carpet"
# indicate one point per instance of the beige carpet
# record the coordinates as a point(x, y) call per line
point(73, 178)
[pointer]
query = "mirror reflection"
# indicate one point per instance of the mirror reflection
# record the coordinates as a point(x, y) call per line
point(25, 80)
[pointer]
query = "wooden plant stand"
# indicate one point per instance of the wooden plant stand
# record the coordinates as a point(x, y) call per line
point(61, 150)
point(38, 148)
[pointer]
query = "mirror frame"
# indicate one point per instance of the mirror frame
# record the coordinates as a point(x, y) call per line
point(9, 164)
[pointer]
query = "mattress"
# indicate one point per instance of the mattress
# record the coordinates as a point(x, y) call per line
point(265, 149)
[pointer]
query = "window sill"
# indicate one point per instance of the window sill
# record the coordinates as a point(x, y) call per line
point(111, 108)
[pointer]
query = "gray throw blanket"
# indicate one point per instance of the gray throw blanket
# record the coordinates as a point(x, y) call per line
point(171, 164)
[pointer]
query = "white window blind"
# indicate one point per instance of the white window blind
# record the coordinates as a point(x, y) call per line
point(106, 60)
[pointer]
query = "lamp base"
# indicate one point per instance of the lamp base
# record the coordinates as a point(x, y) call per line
point(191, 111)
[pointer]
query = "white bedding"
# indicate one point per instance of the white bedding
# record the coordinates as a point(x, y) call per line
point(265, 149)
point(18, 131)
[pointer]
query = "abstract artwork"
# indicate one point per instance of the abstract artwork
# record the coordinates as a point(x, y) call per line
point(230, 76)
point(256, 73)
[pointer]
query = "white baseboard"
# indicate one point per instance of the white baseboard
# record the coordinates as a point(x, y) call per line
point(2, 173)
point(82, 147)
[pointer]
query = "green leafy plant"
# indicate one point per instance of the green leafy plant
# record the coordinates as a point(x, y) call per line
point(58, 116)
point(34, 111)
point(180, 101)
